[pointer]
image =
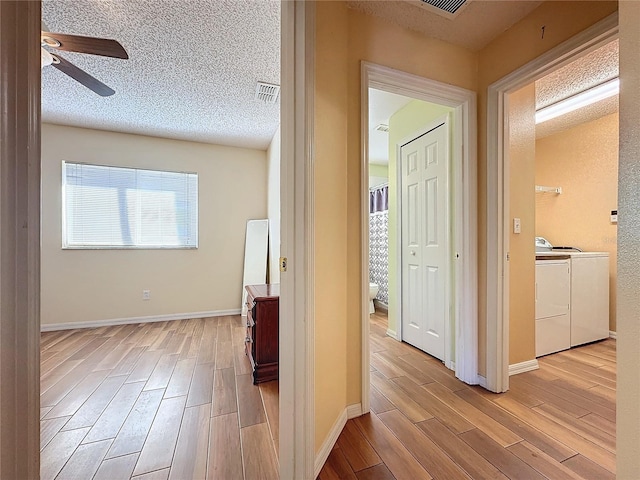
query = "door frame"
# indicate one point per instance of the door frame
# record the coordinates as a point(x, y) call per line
point(296, 382)
point(464, 178)
point(498, 222)
point(432, 125)
point(20, 240)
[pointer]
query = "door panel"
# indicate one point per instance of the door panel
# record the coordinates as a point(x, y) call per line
point(425, 250)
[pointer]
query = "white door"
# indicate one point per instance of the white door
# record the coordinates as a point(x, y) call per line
point(425, 240)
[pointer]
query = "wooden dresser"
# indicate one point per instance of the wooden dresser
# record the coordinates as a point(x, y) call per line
point(261, 343)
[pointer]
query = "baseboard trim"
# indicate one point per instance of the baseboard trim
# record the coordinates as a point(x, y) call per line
point(50, 327)
point(330, 441)
point(381, 306)
point(392, 334)
point(613, 334)
point(522, 367)
point(482, 381)
point(354, 410)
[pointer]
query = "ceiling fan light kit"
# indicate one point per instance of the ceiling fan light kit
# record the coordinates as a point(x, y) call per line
point(80, 44)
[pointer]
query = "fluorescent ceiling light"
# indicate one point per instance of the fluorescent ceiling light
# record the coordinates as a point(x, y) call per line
point(593, 95)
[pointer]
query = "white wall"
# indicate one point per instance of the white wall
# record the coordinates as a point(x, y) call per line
point(273, 207)
point(90, 285)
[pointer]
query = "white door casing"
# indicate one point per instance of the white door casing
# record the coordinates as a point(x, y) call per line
point(464, 220)
point(497, 185)
point(425, 239)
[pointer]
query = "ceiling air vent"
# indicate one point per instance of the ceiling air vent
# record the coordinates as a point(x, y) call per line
point(267, 92)
point(446, 8)
point(382, 127)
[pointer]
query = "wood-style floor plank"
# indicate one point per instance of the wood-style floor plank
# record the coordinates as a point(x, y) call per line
point(271, 400)
point(258, 455)
point(225, 456)
point(359, 452)
point(190, 462)
point(588, 469)
point(58, 451)
point(91, 410)
point(134, 431)
point(201, 391)
point(250, 402)
point(157, 452)
point(502, 458)
point(557, 422)
point(85, 461)
point(155, 400)
point(394, 454)
point(119, 468)
point(541, 462)
point(337, 467)
point(181, 378)
point(432, 458)
point(109, 423)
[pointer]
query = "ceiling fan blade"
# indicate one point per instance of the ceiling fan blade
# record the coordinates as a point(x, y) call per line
point(81, 76)
point(77, 43)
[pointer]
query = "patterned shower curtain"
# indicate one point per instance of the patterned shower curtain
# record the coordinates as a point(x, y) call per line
point(379, 241)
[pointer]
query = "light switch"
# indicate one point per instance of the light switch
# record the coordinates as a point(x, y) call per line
point(516, 226)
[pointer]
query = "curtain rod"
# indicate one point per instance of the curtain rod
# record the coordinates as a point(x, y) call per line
point(380, 185)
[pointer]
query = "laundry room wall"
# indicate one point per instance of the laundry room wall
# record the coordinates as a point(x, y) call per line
point(584, 162)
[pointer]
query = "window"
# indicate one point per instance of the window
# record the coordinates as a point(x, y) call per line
point(114, 207)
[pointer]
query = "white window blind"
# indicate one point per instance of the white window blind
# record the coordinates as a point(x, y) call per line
point(115, 207)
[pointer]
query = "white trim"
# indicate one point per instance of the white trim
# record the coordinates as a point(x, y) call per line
point(20, 202)
point(354, 410)
point(393, 334)
point(329, 442)
point(297, 422)
point(465, 172)
point(351, 411)
point(613, 334)
point(497, 241)
point(522, 367)
point(50, 327)
point(482, 381)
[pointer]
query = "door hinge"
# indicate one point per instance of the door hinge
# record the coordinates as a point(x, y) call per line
point(283, 264)
point(508, 256)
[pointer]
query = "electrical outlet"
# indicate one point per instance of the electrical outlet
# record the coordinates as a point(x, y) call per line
point(146, 294)
point(516, 226)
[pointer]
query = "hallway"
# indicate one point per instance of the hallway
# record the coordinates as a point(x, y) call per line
point(557, 422)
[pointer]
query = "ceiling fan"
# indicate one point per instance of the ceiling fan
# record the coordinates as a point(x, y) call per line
point(77, 43)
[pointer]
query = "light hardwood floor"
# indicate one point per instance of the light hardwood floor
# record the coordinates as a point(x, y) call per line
point(167, 400)
point(557, 422)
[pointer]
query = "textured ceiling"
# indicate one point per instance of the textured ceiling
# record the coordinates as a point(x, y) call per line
point(381, 106)
point(586, 72)
point(192, 70)
point(473, 28)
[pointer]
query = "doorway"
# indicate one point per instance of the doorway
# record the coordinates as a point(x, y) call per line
point(461, 103)
point(499, 221)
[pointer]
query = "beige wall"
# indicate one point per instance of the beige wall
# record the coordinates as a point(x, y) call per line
point(628, 326)
point(345, 38)
point(522, 150)
point(511, 50)
point(273, 206)
point(406, 122)
point(88, 285)
point(584, 162)
point(330, 257)
point(375, 40)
